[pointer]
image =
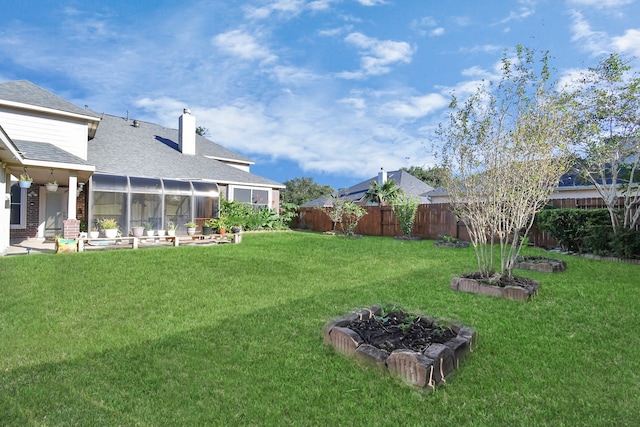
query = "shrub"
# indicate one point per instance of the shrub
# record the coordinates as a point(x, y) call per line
point(404, 208)
point(569, 226)
point(246, 216)
point(598, 239)
point(626, 243)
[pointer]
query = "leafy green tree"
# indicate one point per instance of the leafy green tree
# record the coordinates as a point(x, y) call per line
point(345, 213)
point(506, 148)
point(302, 190)
point(609, 152)
point(405, 208)
point(203, 131)
point(383, 194)
point(435, 176)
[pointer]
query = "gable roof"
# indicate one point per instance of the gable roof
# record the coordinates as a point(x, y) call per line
point(411, 186)
point(25, 92)
point(150, 150)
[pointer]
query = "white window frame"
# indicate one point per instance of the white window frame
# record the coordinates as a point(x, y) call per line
point(23, 209)
point(269, 191)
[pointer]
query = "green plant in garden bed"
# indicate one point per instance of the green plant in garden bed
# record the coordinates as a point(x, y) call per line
point(138, 344)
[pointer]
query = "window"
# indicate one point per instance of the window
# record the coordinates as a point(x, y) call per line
point(207, 199)
point(256, 197)
point(146, 202)
point(18, 210)
point(109, 205)
point(177, 202)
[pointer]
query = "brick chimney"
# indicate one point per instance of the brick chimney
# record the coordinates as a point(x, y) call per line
point(187, 133)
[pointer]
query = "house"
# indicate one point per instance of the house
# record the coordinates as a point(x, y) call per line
point(410, 185)
point(571, 191)
point(110, 167)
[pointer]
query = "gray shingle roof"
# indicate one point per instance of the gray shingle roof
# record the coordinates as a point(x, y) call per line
point(151, 150)
point(25, 92)
point(47, 152)
point(411, 186)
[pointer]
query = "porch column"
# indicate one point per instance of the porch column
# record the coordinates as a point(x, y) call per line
point(71, 225)
point(73, 196)
point(5, 209)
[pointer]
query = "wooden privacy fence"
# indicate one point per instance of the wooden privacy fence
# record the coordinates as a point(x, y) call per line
point(432, 220)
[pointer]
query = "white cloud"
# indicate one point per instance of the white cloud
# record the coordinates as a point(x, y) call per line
point(242, 45)
point(416, 106)
point(527, 9)
point(287, 8)
point(294, 75)
point(595, 42)
point(571, 78)
point(377, 55)
point(437, 31)
point(601, 4)
point(332, 32)
point(629, 42)
point(371, 2)
point(284, 7)
point(321, 4)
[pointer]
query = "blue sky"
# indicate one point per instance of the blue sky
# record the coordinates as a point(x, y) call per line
point(328, 89)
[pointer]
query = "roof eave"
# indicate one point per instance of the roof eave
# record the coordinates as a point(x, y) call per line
point(46, 110)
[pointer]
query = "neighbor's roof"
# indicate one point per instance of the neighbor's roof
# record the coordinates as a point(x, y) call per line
point(25, 92)
point(411, 186)
point(151, 150)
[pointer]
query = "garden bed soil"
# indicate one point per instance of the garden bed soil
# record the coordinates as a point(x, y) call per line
point(514, 288)
point(536, 263)
point(417, 348)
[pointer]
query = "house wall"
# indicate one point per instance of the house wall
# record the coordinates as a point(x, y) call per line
point(5, 211)
point(33, 216)
point(66, 134)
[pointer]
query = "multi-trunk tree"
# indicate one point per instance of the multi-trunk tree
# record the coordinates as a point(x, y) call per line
point(608, 99)
point(506, 147)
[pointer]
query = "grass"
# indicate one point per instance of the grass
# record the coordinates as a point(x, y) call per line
point(232, 335)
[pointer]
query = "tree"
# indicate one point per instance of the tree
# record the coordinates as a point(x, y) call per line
point(383, 194)
point(405, 208)
point(506, 149)
point(302, 190)
point(435, 176)
point(203, 131)
point(609, 152)
point(343, 212)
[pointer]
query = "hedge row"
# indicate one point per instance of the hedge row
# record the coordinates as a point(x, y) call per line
point(589, 231)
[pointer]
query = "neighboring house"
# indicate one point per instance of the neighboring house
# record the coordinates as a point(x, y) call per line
point(410, 185)
point(570, 188)
point(110, 167)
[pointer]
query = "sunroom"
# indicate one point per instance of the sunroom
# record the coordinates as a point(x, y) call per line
point(153, 202)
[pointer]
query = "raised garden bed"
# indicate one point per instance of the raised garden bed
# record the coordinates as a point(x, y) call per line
point(516, 288)
point(416, 348)
point(445, 244)
point(545, 265)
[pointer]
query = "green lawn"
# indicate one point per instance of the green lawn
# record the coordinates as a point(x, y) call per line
point(232, 335)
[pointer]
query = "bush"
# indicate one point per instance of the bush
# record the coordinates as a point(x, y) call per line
point(570, 226)
point(626, 243)
point(405, 208)
point(598, 240)
point(244, 215)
